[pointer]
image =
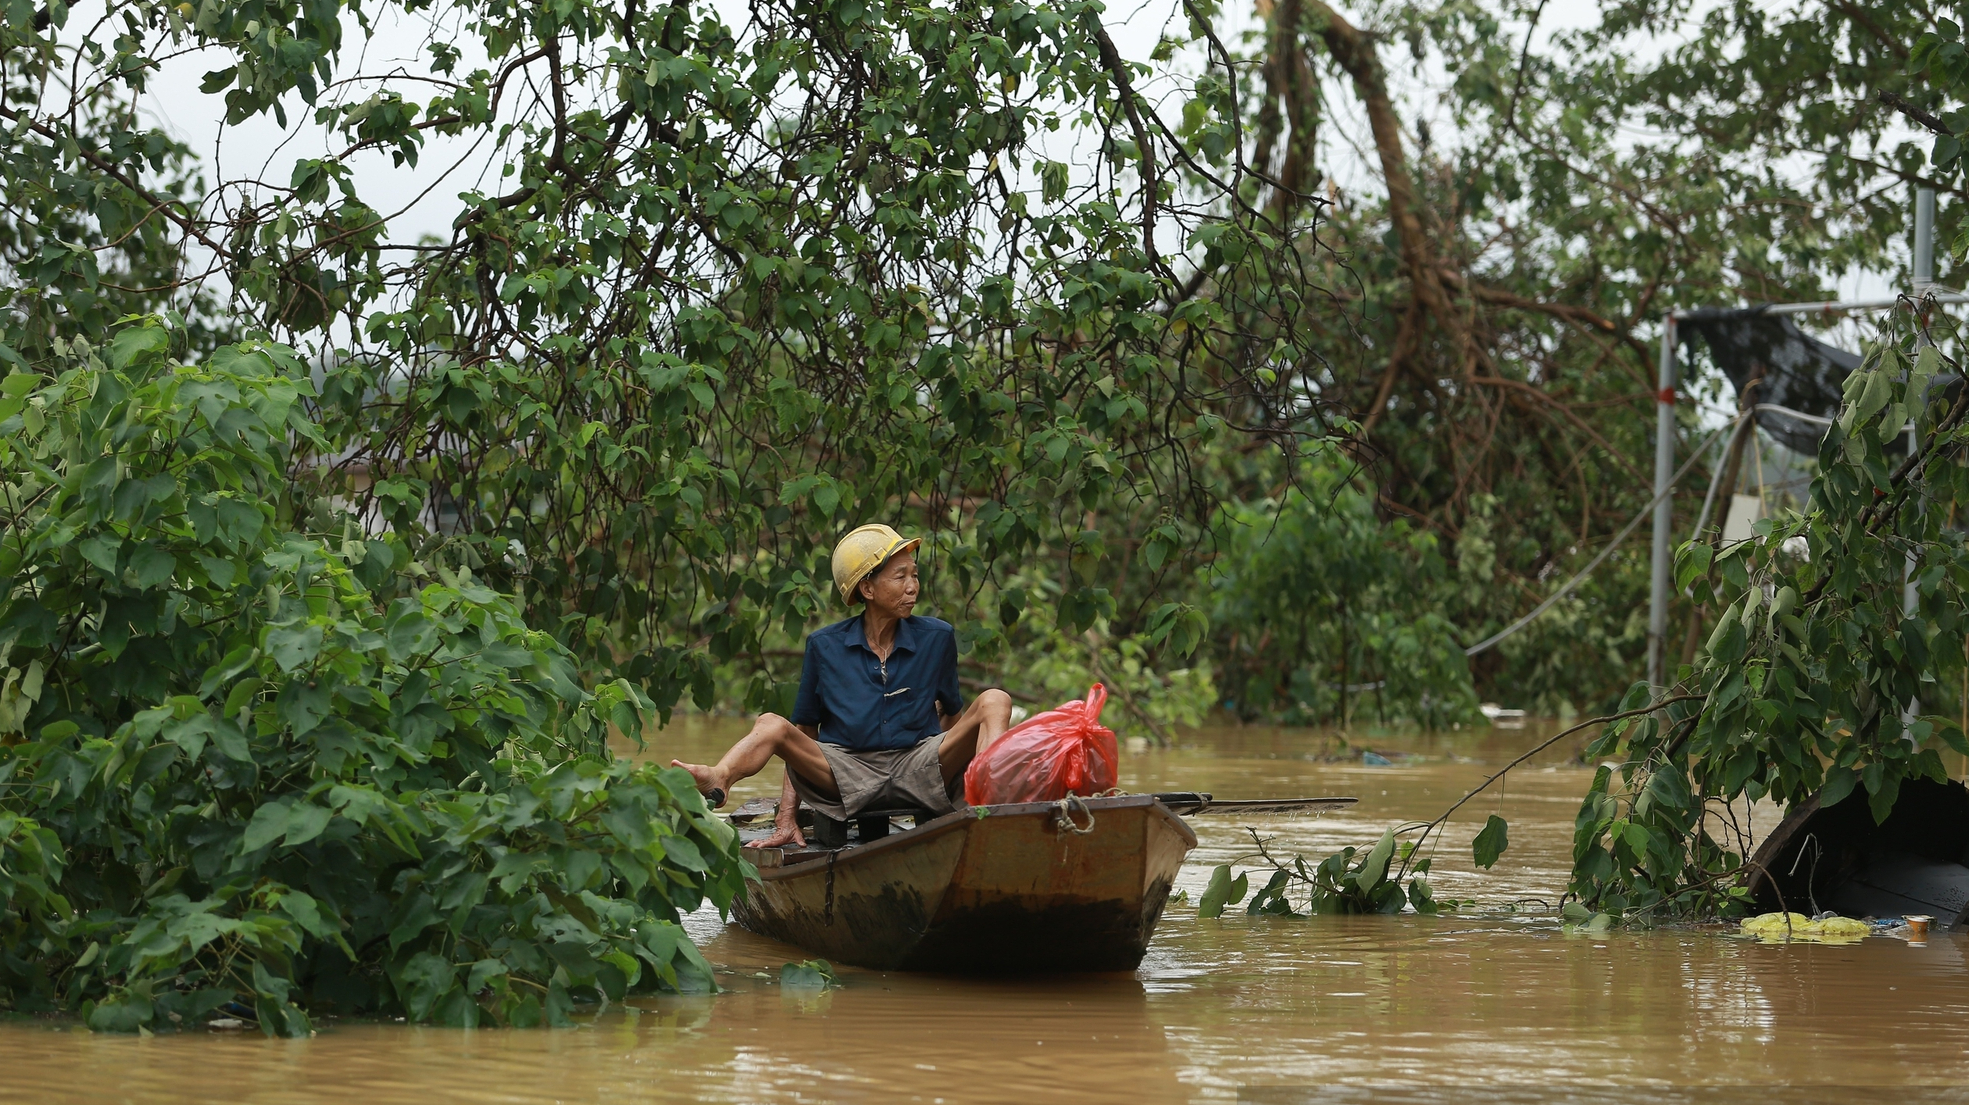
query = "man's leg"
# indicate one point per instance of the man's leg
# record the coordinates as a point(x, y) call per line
point(982, 722)
point(771, 736)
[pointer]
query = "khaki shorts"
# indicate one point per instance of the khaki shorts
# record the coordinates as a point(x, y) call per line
point(883, 779)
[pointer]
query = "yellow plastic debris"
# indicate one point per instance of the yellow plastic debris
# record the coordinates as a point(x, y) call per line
point(1775, 927)
point(1776, 924)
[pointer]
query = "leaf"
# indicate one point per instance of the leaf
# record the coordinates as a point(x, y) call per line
point(576, 958)
point(1271, 898)
point(294, 646)
point(241, 696)
point(1223, 890)
point(305, 822)
point(1423, 898)
point(414, 914)
point(121, 1011)
point(152, 567)
point(410, 635)
point(1881, 796)
point(1490, 843)
point(234, 662)
point(231, 743)
point(1375, 866)
point(558, 1005)
point(303, 705)
point(269, 823)
point(191, 733)
point(137, 343)
point(101, 551)
point(808, 974)
point(424, 979)
point(220, 572)
point(240, 524)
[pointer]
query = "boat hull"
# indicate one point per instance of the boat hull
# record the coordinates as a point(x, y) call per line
point(1010, 889)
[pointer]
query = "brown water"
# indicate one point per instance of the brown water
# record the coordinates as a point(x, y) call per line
point(1486, 1003)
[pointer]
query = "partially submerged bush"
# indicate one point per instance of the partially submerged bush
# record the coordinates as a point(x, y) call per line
point(1383, 878)
point(246, 766)
point(1332, 614)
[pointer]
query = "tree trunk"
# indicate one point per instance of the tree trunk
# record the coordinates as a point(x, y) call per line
point(1429, 293)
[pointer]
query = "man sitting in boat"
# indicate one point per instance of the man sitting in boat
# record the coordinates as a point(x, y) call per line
point(880, 722)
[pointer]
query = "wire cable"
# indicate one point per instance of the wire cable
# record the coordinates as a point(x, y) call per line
point(1491, 641)
point(1694, 455)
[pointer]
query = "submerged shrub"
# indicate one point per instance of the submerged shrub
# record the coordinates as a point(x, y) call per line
point(1325, 612)
point(279, 772)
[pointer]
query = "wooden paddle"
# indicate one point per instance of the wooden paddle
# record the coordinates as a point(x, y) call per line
point(1179, 802)
point(1194, 802)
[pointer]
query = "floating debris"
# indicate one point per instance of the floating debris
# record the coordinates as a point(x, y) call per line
point(1776, 928)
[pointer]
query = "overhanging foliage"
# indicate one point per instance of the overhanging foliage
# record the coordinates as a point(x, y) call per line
point(246, 763)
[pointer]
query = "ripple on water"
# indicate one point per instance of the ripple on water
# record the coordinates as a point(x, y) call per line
point(1330, 1009)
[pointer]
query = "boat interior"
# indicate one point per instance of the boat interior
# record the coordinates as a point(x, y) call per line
point(754, 821)
point(1837, 859)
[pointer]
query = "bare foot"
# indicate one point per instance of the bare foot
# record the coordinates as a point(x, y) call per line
point(710, 781)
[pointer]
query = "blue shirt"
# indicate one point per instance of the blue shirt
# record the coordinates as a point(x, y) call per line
point(843, 688)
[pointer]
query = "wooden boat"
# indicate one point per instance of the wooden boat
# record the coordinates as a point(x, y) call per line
point(1009, 889)
point(1838, 858)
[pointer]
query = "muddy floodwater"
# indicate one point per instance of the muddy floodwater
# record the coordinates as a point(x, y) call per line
point(1485, 1004)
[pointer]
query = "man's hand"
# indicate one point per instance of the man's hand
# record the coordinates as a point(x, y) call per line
point(786, 820)
point(786, 830)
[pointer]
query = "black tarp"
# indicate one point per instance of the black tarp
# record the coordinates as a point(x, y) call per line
point(1799, 371)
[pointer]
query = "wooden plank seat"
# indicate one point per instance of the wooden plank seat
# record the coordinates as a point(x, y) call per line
point(870, 826)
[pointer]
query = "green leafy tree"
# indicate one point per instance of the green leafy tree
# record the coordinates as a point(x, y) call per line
point(250, 762)
point(1816, 675)
point(1520, 229)
point(1336, 614)
point(733, 291)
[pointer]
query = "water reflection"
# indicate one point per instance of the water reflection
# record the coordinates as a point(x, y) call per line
point(1400, 1009)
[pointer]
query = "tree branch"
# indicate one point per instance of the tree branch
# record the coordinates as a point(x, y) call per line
point(1125, 89)
point(1901, 105)
point(1354, 52)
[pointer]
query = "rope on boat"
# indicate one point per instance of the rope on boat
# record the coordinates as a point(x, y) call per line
point(828, 912)
point(1063, 813)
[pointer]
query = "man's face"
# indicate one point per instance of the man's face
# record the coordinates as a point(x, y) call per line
point(893, 588)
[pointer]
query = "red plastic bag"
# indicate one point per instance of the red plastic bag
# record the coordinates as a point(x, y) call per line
point(1046, 757)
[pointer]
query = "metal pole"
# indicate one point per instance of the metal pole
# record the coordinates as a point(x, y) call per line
point(1924, 254)
point(1839, 307)
point(1924, 239)
point(1924, 278)
point(1664, 509)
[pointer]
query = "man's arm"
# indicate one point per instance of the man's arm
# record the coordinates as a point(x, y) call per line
point(949, 692)
point(786, 822)
point(806, 706)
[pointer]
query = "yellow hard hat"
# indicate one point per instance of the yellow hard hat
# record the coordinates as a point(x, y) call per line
point(863, 550)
